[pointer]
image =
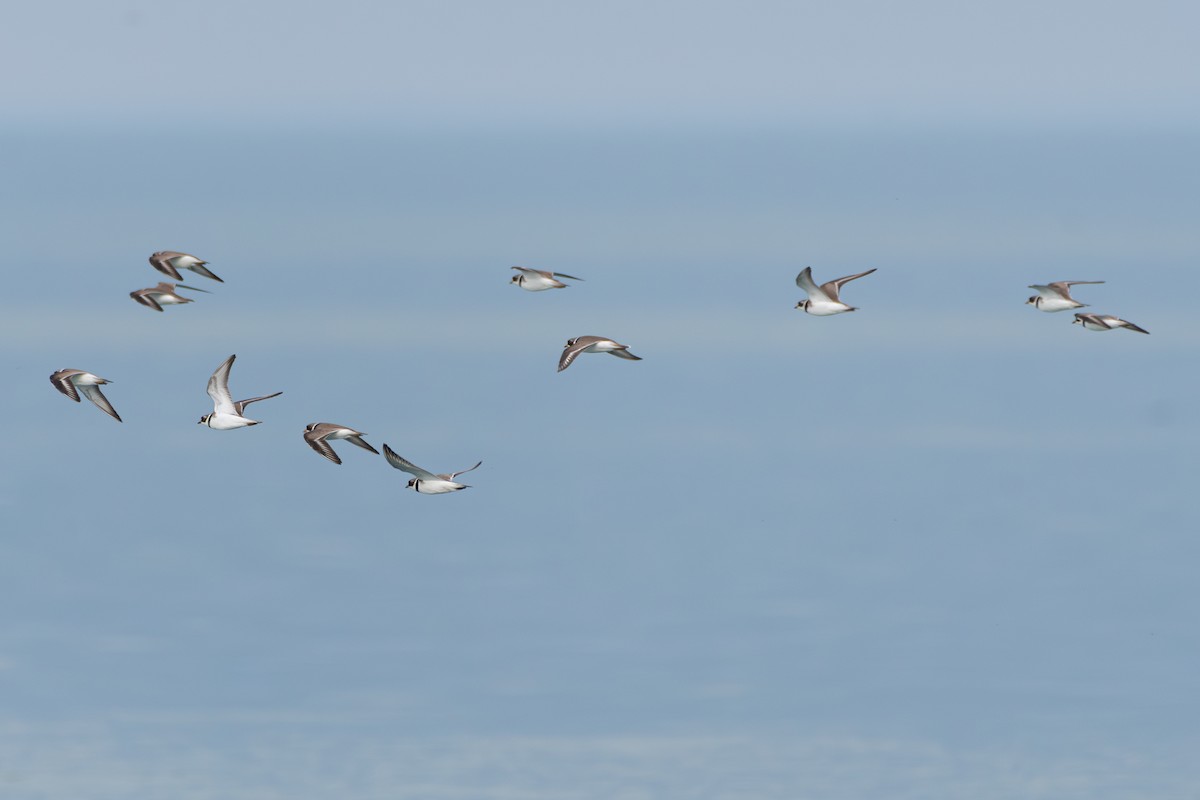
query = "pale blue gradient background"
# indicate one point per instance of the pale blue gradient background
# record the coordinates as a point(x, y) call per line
point(942, 547)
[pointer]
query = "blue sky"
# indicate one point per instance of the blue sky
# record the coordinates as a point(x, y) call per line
point(941, 546)
point(425, 63)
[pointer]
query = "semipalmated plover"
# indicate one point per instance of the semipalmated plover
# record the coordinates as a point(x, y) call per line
point(317, 434)
point(539, 280)
point(592, 344)
point(1055, 296)
point(164, 294)
point(169, 262)
point(425, 481)
point(823, 300)
point(227, 414)
point(1105, 322)
point(72, 381)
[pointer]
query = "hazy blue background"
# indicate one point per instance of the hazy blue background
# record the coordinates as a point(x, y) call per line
point(943, 547)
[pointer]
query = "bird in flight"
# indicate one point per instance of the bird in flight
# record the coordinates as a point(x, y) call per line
point(1055, 296)
point(539, 280)
point(169, 262)
point(423, 480)
point(164, 294)
point(318, 434)
point(226, 414)
point(823, 300)
point(593, 344)
point(1105, 322)
point(73, 381)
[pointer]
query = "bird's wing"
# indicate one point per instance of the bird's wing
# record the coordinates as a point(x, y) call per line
point(1061, 289)
point(624, 353)
point(203, 270)
point(405, 465)
point(240, 405)
point(565, 275)
point(146, 298)
point(62, 382)
point(161, 261)
point(358, 440)
point(571, 351)
point(530, 271)
point(96, 396)
point(454, 475)
point(1133, 327)
point(805, 281)
point(316, 440)
point(834, 287)
point(218, 389)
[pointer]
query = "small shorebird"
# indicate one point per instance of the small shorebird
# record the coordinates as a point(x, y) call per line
point(226, 414)
point(539, 280)
point(1105, 322)
point(425, 481)
point(164, 294)
point(169, 262)
point(73, 381)
point(592, 344)
point(1055, 296)
point(317, 435)
point(823, 300)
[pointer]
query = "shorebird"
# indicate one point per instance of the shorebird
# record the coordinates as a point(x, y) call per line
point(425, 481)
point(1105, 322)
point(1055, 296)
point(317, 435)
point(823, 300)
point(169, 262)
point(226, 414)
point(592, 344)
point(164, 294)
point(73, 381)
point(539, 280)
